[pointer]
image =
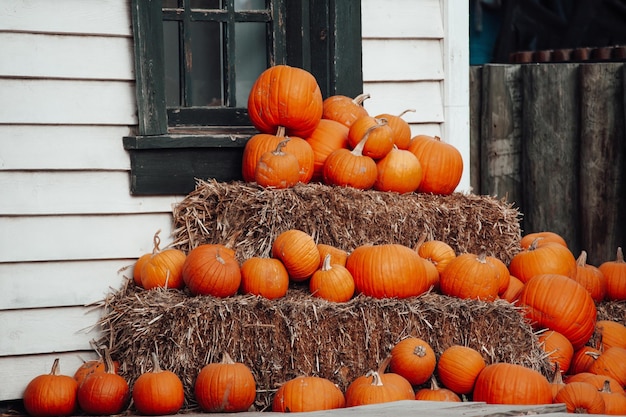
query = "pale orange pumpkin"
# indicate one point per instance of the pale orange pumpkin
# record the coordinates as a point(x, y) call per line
point(164, 267)
point(401, 130)
point(277, 169)
point(442, 164)
point(399, 171)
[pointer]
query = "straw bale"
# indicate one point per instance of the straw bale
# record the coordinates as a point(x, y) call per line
point(300, 334)
point(250, 217)
point(612, 310)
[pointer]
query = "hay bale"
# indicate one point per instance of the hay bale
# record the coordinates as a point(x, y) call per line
point(302, 335)
point(250, 217)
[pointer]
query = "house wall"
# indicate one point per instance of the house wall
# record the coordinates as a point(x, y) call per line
point(69, 229)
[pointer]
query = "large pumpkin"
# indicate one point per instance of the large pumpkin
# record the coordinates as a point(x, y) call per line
point(559, 303)
point(442, 164)
point(307, 393)
point(470, 276)
point(50, 394)
point(507, 383)
point(212, 269)
point(388, 271)
point(285, 96)
point(458, 367)
point(547, 258)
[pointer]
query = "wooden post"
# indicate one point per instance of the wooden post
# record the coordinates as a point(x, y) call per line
point(475, 129)
point(501, 133)
point(550, 146)
point(602, 160)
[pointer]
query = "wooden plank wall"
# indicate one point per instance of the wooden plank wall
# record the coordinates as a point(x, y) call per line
point(67, 221)
point(551, 139)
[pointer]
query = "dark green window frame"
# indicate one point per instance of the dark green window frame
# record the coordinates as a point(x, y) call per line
point(173, 147)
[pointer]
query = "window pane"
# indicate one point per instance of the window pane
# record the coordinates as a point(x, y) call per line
point(249, 5)
point(250, 57)
point(172, 63)
point(206, 4)
point(206, 67)
point(170, 4)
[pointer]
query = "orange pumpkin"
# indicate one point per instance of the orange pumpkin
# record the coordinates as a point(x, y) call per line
point(590, 277)
point(615, 274)
point(377, 387)
point(164, 267)
point(158, 392)
point(614, 402)
point(442, 164)
point(277, 169)
point(559, 303)
point(376, 134)
point(458, 368)
point(580, 398)
point(104, 393)
point(51, 395)
point(504, 276)
point(597, 381)
point(343, 109)
point(558, 348)
point(582, 359)
point(307, 393)
point(138, 266)
point(347, 168)
point(436, 251)
point(91, 367)
point(612, 362)
point(401, 130)
point(265, 277)
point(337, 256)
point(470, 276)
point(435, 393)
point(610, 333)
point(332, 282)
point(298, 252)
point(225, 387)
point(506, 383)
point(327, 137)
point(543, 237)
point(285, 96)
point(513, 290)
point(414, 359)
point(212, 269)
point(399, 171)
point(549, 258)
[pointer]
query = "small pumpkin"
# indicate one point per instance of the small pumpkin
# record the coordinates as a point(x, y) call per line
point(298, 251)
point(442, 164)
point(265, 277)
point(612, 362)
point(401, 130)
point(104, 393)
point(458, 367)
point(513, 290)
point(548, 258)
point(435, 393)
point(376, 134)
point(286, 96)
point(350, 168)
point(332, 282)
point(507, 383)
point(399, 171)
point(212, 269)
point(325, 139)
point(580, 398)
point(51, 395)
point(543, 237)
point(343, 109)
point(558, 348)
point(377, 387)
point(277, 169)
point(158, 392)
point(436, 251)
point(470, 276)
point(92, 366)
point(610, 333)
point(164, 267)
point(590, 277)
point(338, 256)
point(614, 402)
point(225, 387)
point(582, 359)
point(414, 359)
point(615, 273)
point(307, 393)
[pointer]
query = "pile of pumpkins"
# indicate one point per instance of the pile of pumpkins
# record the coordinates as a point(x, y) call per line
point(335, 141)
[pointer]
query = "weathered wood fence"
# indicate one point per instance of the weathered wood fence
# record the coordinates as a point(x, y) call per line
point(551, 138)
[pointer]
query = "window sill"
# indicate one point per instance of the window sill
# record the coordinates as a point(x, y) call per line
point(170, 164)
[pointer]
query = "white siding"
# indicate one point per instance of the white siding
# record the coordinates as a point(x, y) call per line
point(69, 229)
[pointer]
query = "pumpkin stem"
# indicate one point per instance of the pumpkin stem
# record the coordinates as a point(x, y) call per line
point(420, 241)
point(534, 244)
point(482, 258)
point(358, 149)
point(620, 255)
point(279, 148)
point(606, 387)
point(419, 351)
point(384, 364)
point(226, 359)
point(326, 266)
point(360, 98)
point(280, 132)
point(109, 367)
point(156, 240)
point(55, 367)
point(433, 383)
point(557, 379)
point(406, 111)
point(376, 380)
point(156, 368)
point(582, 259)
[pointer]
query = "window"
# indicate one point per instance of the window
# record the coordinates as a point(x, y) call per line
point(195, 63)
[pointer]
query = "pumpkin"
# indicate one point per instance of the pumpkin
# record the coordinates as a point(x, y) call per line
point(470, 276)
point(559, 303)
point(597, 381)
point(225, 387)
point(432, 274)
point(277, 169)
point(414, 359)
point(332, 282)
point(104, 393)
point(377, 387)
point(442, 164)
point(612, 362)
point(458, 367)
point(376, 135)
point(504, 276)
point(212, 269)
point(549, 258)
point(610, 333)
point(138, 267)
point(343, 109)
point(387, 271)
point(590, 277)
point(615, 274)
point(544, 237)
point(298, 252)
point(399, 171)
point(436, 251)
point(558, 348)
point(158, 392)
point(265, 277)
point(261, 143)
point(507, 383)
point(580, 398)
point(337, 256)
point(285, 96)
point(347, 168)
point(164, 267)
point(401, 130)
point(325, 139)
point(307, 393)
point(90, 367)
point(614, 402)
point(435, 393)
point(513, 290)
point(51, 395)
point(582, 359)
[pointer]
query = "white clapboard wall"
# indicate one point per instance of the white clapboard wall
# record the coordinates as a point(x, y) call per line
point(69, 229)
